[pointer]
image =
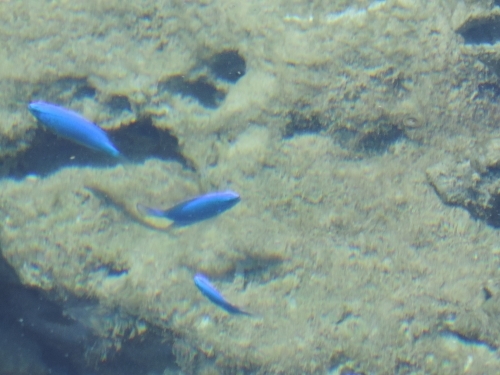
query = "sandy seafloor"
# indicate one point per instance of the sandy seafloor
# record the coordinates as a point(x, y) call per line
point(363, 138)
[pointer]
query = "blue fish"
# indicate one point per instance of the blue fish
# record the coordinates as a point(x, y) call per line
point(209, 291)
point(71, 125)
point(196, 209)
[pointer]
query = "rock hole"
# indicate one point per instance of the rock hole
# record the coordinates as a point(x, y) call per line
point(119, 103)
point(111, 270)
point(488, 90)
point(77, 88)
point(48, 153)
point(483, 30)
point(487, 293)
point(492, 213)
point(379, 139)
point(141, 140)
point(299, 123)
point(137, 142)
point(259, 270)
point(229, 66)
point(468, 337)
point(85, 92)
point(201, 89)
point(336, 361)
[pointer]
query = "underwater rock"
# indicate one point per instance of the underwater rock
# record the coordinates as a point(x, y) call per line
point(475, 327)
point(471, 184)
point(237, 75)
point(339, 241)
point(452, 181)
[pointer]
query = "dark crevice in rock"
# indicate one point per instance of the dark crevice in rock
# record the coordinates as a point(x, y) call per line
point(77, 88)
point(487, 294)
point(303, 123)
point(378, 140)
point(48, 153)
point(206, 93)
point(473, 185)
point(58, 337)
point(119, 103)
point(202, 83)
point(41, 323)
point(374, 137)
point(491, 174)
point(375, 140)
point(469, 338)
point(259, 270)
point(111, 270)
point(488, 90)
point(481, 30)
point(255, 270)
point(85, 92)
point(141, 140)
point(337, 362)
point(137, 142)
point(493, 211)
point(229, 66)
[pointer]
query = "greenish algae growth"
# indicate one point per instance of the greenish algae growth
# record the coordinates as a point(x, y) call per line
point(340, 243)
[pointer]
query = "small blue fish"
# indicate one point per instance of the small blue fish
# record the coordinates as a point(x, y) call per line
point(196, 209)
point(73, 126)
point(209, 291)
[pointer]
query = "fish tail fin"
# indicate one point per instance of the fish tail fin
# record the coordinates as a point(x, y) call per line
point(152, 217)
point(246, 313)
point(233, 309)
point(149, 211)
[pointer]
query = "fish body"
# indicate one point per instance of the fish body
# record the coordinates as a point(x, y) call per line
point(71, 125)
point(209, 291)
point(196, 209)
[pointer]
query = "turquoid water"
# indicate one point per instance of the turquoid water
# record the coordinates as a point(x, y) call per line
point(250, 188)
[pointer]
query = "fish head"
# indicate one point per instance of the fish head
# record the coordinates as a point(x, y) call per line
point(200, 280)
point(44, 111)
point(228, 196)
point(36, 107)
